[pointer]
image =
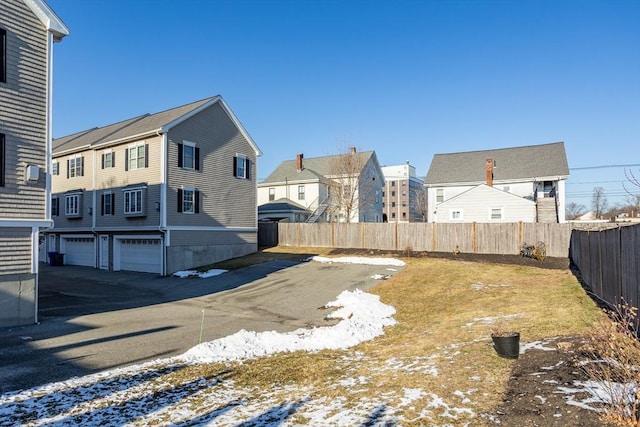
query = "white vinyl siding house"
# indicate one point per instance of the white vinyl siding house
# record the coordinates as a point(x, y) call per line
point(28, 31)
point(152, 179)
point(535, 173)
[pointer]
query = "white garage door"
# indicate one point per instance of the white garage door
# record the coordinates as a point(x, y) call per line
point(78, 251)
point(143, 255)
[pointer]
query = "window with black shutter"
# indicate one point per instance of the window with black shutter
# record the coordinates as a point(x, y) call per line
point(2, 159)
point(3, 55)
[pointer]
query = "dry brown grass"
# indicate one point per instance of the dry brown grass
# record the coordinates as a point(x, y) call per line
point(441, 343)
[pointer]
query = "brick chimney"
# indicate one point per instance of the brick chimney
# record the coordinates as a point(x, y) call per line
point(299, 162)
point(489, 168)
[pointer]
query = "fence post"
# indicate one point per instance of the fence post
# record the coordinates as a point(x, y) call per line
point(433, 237)
point(396, 236)
point(474, 237)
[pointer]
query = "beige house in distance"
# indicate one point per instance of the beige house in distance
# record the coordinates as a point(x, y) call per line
point(156, 193)
point(28, 31)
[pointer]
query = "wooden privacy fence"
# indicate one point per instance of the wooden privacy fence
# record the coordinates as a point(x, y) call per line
point(609, 262)
point(482, 238)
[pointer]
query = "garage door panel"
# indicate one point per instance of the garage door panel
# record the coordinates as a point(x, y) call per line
point(79, 251)
point(144, 255)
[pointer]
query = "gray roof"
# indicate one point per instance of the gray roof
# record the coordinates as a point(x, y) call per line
point(530, 161)
point(281, 205)
point(313, 168)
point(139, 126)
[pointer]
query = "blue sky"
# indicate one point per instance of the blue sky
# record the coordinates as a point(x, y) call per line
point(408, 79)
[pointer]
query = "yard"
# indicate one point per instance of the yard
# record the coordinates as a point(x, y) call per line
point(434, 366)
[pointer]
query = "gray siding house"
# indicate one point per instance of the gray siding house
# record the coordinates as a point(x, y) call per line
point(517, 184)
point(156, 193)
point(28, 29)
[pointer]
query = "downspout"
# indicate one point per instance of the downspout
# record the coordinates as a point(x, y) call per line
point(162, 227)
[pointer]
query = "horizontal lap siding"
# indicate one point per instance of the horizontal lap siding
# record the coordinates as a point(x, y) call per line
point(23, 111)
point(225, 201)
point(15, 250)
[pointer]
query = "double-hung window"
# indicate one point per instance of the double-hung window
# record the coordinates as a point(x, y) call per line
point(456, 215)
point(188, 200)
point(241, 167)
point(188, 156)
point(272, 194)
point(439, 195)
point(107, 201)
point(73, 204)
point(75, 166)
point(55, 206)
point(133, 202)
point(108, 160)
point(300, 192)
point(496, 213)
point(55, 168)
point(137, 156)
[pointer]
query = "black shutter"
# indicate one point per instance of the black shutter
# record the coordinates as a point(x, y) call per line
point(196, 201)
point(235, 170)
point(67, 168)
point(180, 151)
point(102, 200)
point(113, 203)
point(146, 155)
point(102, 160)
point(179, 200)
point(247, 168)
point(126, 159)
point(113, 159)
point(197, 159)
point(2, 159)
point(3, 55)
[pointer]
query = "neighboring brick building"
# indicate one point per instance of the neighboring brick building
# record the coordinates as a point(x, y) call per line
point(401, 193)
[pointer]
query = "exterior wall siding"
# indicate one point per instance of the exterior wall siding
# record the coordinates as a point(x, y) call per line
point(225, 201)
point(15, 250)
point(23, 111)
point(17, 299)
point(476, 206)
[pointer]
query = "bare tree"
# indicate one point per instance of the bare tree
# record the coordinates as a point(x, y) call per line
point(575, 210)
point(354, 187)
point(421, 203)
point(599, 202)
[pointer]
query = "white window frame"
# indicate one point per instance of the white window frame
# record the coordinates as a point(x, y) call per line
point(272, 194)
point(241, 166)
point(72, 204)
point(75, 169)
point(138, 201)
point(135, 157)
point(439, 195)
point(301, 192)
point(188, 146)
point(55, 168)
point(108, 155)
point(186, 191)
point(491, 212)
point(456, 214)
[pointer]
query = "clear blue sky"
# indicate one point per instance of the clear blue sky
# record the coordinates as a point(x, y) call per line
point(407, 79)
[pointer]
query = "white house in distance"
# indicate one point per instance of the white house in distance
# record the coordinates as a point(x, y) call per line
point(316, 185)
point(503, 185)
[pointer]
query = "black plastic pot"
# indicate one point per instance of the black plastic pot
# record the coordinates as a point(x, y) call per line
point(508, 345)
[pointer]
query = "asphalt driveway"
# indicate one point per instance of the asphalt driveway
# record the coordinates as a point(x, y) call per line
point(92, 320)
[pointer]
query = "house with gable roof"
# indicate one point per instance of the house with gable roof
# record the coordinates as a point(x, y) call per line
point(339, 188)
point(156, 193)
point(28, 31)
point(502, 185)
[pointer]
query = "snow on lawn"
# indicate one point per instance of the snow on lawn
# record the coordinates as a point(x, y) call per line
point(143, 395)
